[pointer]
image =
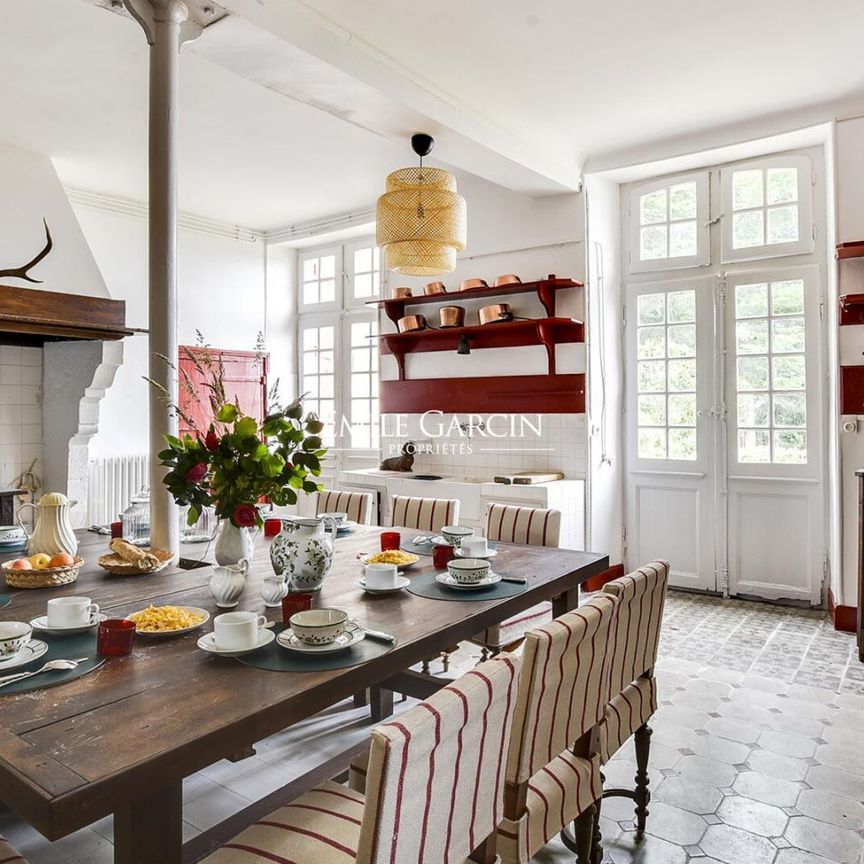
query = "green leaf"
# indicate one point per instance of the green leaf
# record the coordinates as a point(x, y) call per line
point(193, 515)
point(227, 413)
point(295, 482)
point(173, 441)
point(273, 465)
point(313, 442)
point(246, 427)
point(309, 487)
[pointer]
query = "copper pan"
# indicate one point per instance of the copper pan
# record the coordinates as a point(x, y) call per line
point(451, 316)
point(411, 323)
point(402, 293)
point(468, 284)
point(435, 288)
point(495, 313)
point(507, 279)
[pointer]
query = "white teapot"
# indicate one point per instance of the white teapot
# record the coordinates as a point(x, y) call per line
point(53, 532)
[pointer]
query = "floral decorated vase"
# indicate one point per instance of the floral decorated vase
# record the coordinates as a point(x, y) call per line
point(303, 551)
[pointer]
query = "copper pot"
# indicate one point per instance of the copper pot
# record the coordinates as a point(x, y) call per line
point(402, 293)
point(507, 279)
point(451, 316)
point(410, 323)
point(468, 284)
point(435, 288)
point(495, 313)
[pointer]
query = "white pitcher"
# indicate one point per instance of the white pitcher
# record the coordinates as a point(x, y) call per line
point(303, 551)
point(227, 583)
point(53, 532)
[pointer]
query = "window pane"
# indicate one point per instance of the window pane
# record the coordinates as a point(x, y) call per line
point(652, 207)
point(362, 260)
point(747, 189)
point(747, 230)
point(310, 293)
point(310, 385)
point(787, 298)
point(682, 409)
point(751, 301)
point(782, 185)
point(783, 224)
point(325, 359)
point(790, 446)
point(359, 387)
point(682, 375)
point(652, 411)
point(328, 291)
point(682, 200)
point(652, 308)
point(326, 335)
point(310, 339)
point(790, 409)
point(787, 335)
point(752, 337)
point(753, 409)
point(328, 266)
point(310, 363)
point(651, 342)
point(653, 243)
point(682, 340)
point(682, 444)
point(310, 269)
point(754, 445)
point(682, 306)
point(682, 239)
point(325, 386)
point(360, 360)
point(652, 444)
point(363, 285)
point(651, 375)
point(753, 373)
point(789, 373)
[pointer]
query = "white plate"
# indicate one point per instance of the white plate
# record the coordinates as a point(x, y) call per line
point(156, 634)
point(365, 560)
point(33, 650)
point(450, 582)
point(41, 623)
point(490, 554)
point(208, 643)
point(352, 635)
point(347, 528)
point(401, 582)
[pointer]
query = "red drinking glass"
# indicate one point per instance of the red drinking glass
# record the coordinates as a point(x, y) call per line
point(442, 553)
point(115, 637)
point(272, 527)
point(390, 541)
point(295, 602)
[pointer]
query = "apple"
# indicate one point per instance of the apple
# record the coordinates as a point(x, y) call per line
point(20, 564)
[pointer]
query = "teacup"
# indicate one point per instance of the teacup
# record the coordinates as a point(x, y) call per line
point(14, 635)
point(236, 631)
point(475, 546)
point(341, 519)
point(380, 575)
point(455, 534)
point(71, 612)
point(468, 571)
point(319, 626)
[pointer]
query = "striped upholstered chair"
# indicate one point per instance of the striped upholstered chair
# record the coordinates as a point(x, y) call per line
point(434, 791)
point(424, 514)
point(360, 506)
point(532, 526)
point(641, 596)
point(553, 769)
point(8, 855)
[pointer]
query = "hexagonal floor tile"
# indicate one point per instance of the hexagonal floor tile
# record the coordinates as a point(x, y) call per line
point(836, 781)
point(799, 856)
point(674, 824)
point(841, 757)
point(735, 846)
point(843, 812)
point(774, 765)
point(751, 815)
point(836, 844)
point(733, 730)
point(769, 790)
point(721, 749)
point(706, 770)
point(689, 794)
point(652, 850)
point(787, 744)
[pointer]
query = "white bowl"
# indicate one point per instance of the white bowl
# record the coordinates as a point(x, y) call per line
point(319, 626)
point(455, 534)
point(14, 635)
point(468, 571)
point(338, 517)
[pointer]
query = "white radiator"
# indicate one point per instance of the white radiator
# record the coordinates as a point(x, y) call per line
point(111, 484)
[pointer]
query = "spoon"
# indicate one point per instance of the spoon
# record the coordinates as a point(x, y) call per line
point(50, 666)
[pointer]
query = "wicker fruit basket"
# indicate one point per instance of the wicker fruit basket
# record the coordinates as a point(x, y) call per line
point(51, 577)
point(116, 565)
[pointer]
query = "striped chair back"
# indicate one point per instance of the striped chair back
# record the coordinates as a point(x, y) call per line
point(435, 786)
point(641, 596)
point(424, 514)
point(564, 686)
point(533, 526)
point(360, 506)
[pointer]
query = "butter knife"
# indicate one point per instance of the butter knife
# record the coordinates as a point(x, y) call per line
point(378, 636)
point(517, 580)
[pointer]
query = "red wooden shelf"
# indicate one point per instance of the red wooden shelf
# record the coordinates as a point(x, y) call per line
point(855, 249)
point(542, 394)
point(545, 290)
point(548, 332)
point(852, 389)
point(852, 309)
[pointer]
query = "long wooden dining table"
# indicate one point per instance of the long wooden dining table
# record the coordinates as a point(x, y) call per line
point(122, 738)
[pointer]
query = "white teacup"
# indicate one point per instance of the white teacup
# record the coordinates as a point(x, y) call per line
point(380, 575)
point(14, 635)
point(71, 612)
point(455, 534)
point(468, 571)
point(341, 519)
point(475, 546)
point(319, 626)
point(236, 631)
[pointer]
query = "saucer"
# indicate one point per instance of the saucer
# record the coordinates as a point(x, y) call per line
point(33, 650)
point(347, 528)
point(41, 623)
point(401, 582)
point(450, 582)
point(490, 553)
point(208, 643)
point(353, 634)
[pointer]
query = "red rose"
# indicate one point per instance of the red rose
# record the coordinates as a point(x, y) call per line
point(211, 440)
point(245, 516)
point(197, 472)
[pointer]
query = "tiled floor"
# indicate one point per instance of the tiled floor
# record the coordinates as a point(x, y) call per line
point(756, 756)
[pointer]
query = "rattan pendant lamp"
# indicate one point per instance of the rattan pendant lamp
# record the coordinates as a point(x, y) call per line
point(422, 221)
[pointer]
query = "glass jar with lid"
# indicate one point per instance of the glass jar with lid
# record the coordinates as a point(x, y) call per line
point(203, 531)
point(136, 519)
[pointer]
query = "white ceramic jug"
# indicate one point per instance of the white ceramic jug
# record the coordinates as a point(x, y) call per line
point(53, 532)
point(303, 551)
point(227, 583)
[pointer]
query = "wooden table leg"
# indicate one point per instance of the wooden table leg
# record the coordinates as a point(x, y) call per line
point(381, 700)
point(566, 602)
point(150, 829)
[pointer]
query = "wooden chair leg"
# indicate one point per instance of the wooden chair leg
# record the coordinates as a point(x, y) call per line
point(597, 847)
point(583, 834)
point(642, 740)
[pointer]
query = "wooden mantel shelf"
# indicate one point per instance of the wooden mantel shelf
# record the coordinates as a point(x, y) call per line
point(32, 317)
point(852, 309)
point(853, 249)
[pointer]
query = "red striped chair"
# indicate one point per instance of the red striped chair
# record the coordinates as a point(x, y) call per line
point(8, 855)
point(360, 506)
point(434, 794)
point(424, 514)
point(553, 769)
point(532, 526)
point(641, 596)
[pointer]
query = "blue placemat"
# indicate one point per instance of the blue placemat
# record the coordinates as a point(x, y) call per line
point(426, 586)
point(278, 659)
point(59, 648)
point(5, 600)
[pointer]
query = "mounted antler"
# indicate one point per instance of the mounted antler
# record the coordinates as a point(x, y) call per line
point(21, 272)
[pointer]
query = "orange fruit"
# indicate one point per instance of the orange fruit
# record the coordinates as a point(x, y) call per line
point(20, 564)
point(61, 559)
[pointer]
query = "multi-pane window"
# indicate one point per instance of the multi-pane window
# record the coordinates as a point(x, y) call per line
point(364, 383)
point(318, 374)
point(771, 372)
point(318, 280)
point(366, 278)
point(666, 375)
